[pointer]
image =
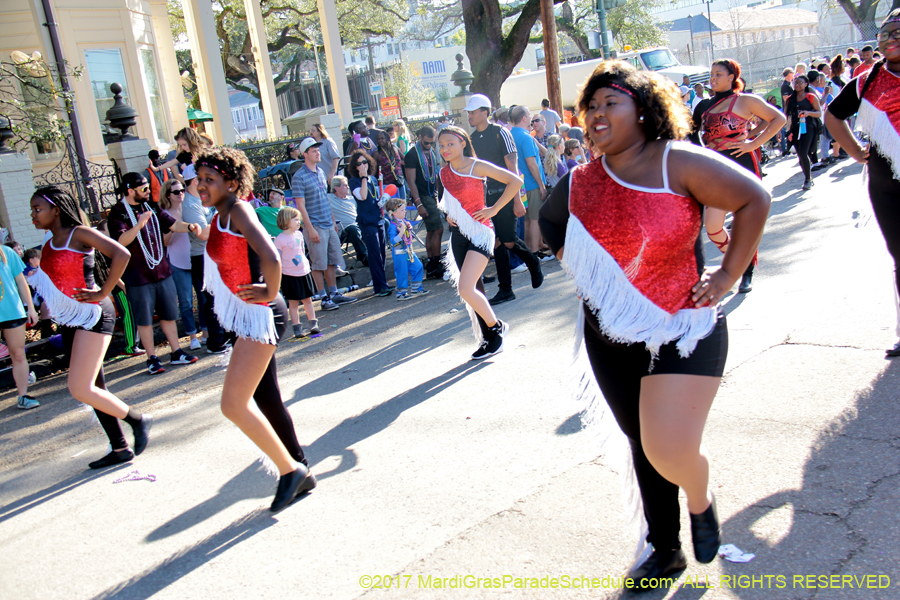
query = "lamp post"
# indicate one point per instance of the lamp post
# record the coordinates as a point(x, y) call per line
point(712, 54)
point(691, 26)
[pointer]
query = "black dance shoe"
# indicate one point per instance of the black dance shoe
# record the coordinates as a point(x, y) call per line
point(292, 485)
point(706, 533)
point(660, 564)
point(142, 433)
point(113, 458)
point(746, 283)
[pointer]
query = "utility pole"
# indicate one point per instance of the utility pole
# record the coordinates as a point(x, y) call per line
point(600, 8)
point(551, 56)
point(712, 54)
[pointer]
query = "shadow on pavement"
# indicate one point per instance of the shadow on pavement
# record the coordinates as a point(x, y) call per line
point(352, 430)
point(187, 560)
point(252, 482)
point(14, 509)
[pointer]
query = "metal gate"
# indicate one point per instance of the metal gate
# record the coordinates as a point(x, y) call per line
point(93, 184)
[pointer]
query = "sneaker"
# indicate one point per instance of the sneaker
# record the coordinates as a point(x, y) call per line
point(488, 279)
point(546, 257)
point(195, 344)
point(137, 351)
point(210, 349)
point(807, 184)
point(26, 402)
point(180, 357)
point(327, 304)
point(339, 272)
point(385, 292)
point(154, 366)
point(520, 269)
point(493, 344)
point(403, 296)
point(341, 299)
point(502, 296)
point(890, 352)
point(421, 291)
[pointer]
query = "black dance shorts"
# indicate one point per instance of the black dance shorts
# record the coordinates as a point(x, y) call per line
point(707, 359)
point(297, 287)
point(107, 323)
point(460, 246)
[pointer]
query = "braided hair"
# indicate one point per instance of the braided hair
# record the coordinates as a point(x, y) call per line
point(71, 215)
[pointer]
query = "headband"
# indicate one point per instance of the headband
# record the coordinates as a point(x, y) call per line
point(622, 89)
point(205, 163)
point(48, 200)
point(450, 131)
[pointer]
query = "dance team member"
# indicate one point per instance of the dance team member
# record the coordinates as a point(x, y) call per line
point(875, 95)
point(242, 271)
point(628, 229)
point(724, 120)
point(471, 232)
point(803, 112)
point(67, 281)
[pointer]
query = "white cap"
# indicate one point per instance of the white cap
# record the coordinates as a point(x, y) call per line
point(189, 172)
point(308, 143)
point(478, 101)
point(684, 90)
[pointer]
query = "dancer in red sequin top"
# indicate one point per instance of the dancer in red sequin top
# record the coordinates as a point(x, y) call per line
point(471, 231)
point(627, 228)
point(242, 271)
point(66, 282)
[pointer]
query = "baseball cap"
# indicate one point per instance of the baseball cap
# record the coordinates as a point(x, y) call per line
point(189, 172)
point(131, 181)
point(478, 101)
point(308, 143)
point(684, 90)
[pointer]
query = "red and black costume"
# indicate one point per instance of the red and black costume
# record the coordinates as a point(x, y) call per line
point(634, 254)
point(720, 128)
point(229, 262)
point(875, 95)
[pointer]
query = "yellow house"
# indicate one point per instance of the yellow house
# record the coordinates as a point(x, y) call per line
point(123, 41)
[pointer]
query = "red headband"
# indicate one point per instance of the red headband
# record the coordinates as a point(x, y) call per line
point(622, 89)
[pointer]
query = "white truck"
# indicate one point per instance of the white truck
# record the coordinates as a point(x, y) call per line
point(530, 88)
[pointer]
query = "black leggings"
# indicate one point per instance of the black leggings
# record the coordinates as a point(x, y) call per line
point(804, 146)
point(268, 394)
point(618, 369)
point(884, 192)
point(110, 424)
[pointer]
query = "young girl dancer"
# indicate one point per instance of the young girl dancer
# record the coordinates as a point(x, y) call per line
point(243, 274)
point(296, 279)
point(471, 232)
point(725, 122)
point(67, 283)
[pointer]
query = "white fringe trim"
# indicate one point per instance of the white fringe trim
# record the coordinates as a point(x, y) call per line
point(881, 133)
point(63, 309)
point(449, 262)
point(478, 233)
point(250, 321)
point(612, 445)
point(624, 313)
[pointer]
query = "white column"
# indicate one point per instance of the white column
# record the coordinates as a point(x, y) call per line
point(207, 57)
point(334, 55)
point(263, 68)
point(168, 64)
point(16, 188)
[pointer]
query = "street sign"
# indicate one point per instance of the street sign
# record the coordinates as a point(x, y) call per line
point(390, 106)
point(375, 88)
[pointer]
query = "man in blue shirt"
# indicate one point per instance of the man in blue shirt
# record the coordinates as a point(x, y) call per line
point(320, 232)
point(532, 171)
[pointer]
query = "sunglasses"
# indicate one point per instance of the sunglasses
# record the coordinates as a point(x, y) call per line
point(533, 121)
point(424, 143)
point(143, 188)
point(176, 192)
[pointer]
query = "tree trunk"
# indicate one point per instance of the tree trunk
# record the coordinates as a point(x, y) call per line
point(863, 15)
point(578, 38)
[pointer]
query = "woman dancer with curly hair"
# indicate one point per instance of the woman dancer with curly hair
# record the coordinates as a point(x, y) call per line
point(242, 271)
point(627, 228)
point(68, 280)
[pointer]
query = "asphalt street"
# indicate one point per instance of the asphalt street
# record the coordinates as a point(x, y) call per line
point(436, 473)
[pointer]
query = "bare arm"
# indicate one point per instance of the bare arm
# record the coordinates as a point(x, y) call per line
point(513, 185)
point(25, 295)
point(512, 165)
point(304, 216)
point(115, 251)
point(535, 172)
point(333, 170)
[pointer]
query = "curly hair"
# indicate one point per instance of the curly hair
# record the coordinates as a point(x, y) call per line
point(232, 164)
point(665, 114)
point(734, 68)
point(461, 134)
point(355, 157)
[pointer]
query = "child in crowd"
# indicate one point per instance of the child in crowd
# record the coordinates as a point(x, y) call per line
point(17, 247)
point(32, 258)
point(296, 279)
point(407, 267)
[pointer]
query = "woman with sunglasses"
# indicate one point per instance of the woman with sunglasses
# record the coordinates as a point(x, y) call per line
point(875, 96)
point(178, 249)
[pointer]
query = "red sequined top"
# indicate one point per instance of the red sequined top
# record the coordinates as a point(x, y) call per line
point(467, 189)
point(722, 127)
point(653, 234)
point(64, 267)
point(229, 251)
point(884, 95)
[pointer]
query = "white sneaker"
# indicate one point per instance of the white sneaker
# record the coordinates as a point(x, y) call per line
point(195, 344)
point(520, 269)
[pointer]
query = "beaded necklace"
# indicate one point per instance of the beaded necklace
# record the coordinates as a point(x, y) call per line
point(155, 253)
point(430, 172)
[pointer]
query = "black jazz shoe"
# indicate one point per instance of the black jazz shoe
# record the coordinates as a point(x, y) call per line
point(660, 564)
point(706, 533)
point(292, 485)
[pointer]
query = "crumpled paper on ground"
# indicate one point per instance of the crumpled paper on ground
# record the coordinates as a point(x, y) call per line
point(732, 553)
